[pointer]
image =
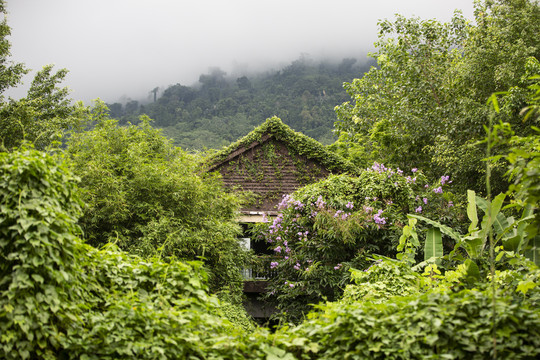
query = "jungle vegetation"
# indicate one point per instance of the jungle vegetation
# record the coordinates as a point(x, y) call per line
point(115, 245)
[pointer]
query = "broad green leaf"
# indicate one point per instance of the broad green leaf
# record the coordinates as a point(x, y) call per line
point(471, 210)
point(473, 244)
point(433, 246)
point(444, 229)
point(525, 286)
point(498, 220)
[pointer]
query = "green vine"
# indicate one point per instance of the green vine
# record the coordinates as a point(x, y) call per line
point(308, 158)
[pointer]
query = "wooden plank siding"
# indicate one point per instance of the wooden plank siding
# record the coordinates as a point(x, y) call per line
point(251, 171)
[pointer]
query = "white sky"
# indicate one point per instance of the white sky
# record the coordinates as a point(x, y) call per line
point(116, 48)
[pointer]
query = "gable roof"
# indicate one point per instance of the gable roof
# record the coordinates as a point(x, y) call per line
point(300, 144)
point(272, 161)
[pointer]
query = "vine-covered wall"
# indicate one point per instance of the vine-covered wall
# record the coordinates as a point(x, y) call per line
point(273, 160)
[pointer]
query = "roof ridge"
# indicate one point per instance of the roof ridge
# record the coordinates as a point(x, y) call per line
point(300, 143)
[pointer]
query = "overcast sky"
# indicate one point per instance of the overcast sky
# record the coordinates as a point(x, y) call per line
point(116, 48)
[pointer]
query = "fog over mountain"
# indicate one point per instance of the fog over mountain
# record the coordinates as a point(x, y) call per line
point(125, 48)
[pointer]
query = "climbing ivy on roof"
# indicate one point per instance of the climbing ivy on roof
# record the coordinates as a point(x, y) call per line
point(297, 144)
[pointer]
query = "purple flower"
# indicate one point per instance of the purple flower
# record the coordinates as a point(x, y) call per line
point(297, 266)
point(291, 285)
point(450, 203)
point(400, 172)
point(438, 190)
point(444, 179)
point(278, 249)
point(273, 264)
point(320, 203)
point(349, 205)
point(425, 201)
point(414, 170)
point(337, 267)
point(418, 209)
point(378, 219)
point(284, 202)
point(426, 186)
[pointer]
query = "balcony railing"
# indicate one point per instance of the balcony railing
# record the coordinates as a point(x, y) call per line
point(260, 269)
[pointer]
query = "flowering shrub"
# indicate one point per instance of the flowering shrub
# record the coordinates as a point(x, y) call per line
point(324, 229)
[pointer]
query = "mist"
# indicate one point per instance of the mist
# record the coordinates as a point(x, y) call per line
point(118, 49)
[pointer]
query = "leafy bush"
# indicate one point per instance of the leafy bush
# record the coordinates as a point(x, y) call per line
point(39, 272)
point(328, 227)
point(147, 196)
point(437, 324)
point(384, 279)
point(61, 298)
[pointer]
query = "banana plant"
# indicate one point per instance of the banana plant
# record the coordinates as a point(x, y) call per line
point(513, 235)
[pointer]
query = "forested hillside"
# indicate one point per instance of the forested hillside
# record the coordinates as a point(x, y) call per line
point(221, 108)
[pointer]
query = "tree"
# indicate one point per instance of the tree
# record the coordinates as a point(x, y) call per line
point(148, 197)
point(44, 114)
point(425, 103)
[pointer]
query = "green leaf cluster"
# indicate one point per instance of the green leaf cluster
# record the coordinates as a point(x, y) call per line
point(424, 104)
point(149, 198)
point(437, 324)
point(61, 298)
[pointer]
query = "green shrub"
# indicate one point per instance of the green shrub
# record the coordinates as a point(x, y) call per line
point(326, 228)
point(384, 279)
point(63, 299)
point(40, 275)
point(148, 197)
point(435, 325)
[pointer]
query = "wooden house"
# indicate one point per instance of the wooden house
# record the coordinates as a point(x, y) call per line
point(270, 162)
point(273, 161)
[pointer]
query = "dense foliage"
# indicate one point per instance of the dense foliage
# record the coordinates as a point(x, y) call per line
point(220, 108)
point(437, 324)
point(60, 298)
point(145, 195)
point(327, 228)
point(45, 113)
point(425, 103)
point(146, 205)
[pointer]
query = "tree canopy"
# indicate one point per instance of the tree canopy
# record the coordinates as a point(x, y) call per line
point(424, 105)
point(45, 113)
point(221, 108)
point(149, 198)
